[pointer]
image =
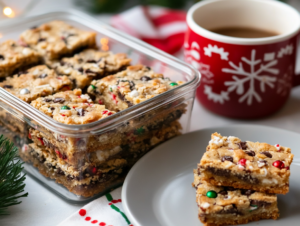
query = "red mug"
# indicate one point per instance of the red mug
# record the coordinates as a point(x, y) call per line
point(243, 77)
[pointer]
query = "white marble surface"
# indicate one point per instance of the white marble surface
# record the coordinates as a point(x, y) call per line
point(42, 207)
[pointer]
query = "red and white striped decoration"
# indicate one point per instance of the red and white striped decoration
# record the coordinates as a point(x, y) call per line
point(161, 27)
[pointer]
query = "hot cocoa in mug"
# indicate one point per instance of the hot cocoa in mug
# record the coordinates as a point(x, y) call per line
point(246, 53)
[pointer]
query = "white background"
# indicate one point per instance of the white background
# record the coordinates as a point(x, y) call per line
point(42, 207)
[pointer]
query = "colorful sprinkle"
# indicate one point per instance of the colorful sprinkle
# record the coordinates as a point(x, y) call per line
point(94, 87)
point(173, 84)
point(211, 194)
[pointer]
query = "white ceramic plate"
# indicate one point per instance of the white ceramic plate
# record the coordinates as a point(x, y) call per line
point(158, 190)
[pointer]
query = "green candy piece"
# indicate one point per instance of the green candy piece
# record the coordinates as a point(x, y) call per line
point(211, 194)
point(94, 87)
point(173, 84)
point(110, 89)
point(139, 131)
point(65, 108)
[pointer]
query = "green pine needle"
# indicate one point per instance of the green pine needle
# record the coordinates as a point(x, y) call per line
point(11, 179)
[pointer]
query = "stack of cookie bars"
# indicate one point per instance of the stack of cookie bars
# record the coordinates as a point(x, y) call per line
point(57, 69)
point(237, 181)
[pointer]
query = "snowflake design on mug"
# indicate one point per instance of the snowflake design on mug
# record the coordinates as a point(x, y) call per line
point(250, 77)
point(284, 84)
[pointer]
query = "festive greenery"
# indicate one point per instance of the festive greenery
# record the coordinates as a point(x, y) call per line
point(11, 178)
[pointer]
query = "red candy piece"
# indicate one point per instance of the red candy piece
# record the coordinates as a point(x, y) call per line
point(242, 162)
point(100, 102)
point(58, 153)
point(63, 115)
point(94, 170)
point(278, 164)
point(41, 140)
point(109, 113)
point(287, 168)
point(104, 112)
point(29, 136)
point(277, 146)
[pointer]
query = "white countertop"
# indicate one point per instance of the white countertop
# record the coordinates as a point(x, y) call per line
point(42, 207)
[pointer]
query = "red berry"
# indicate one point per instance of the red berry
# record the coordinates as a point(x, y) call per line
point(278, 164)
point(242, 162)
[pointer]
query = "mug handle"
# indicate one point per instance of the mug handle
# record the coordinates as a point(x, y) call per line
point(296, 77)
point(296, 80)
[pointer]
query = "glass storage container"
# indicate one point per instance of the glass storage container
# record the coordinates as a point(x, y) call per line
point(99, 154)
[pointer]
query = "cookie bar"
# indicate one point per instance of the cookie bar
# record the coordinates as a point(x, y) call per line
point(71, 107)
point(220, 205)
point(56, 39)
point(130, 87)
point(15, 58)
point(90, 64)
point(28, 85)
point(102, 171)
point(36, 82)
point(229, 161)
point(100, 156)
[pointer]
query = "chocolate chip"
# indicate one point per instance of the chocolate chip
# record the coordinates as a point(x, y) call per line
point(80, 142)
point(22, 72)
point(224, 192)
point(59, 100)
point(247, 192)
point(247, 178)
point(89, 71)
point(2, 57)
point(227, 158)
point(229, 188)
point(80, 69)
point(91, 61)
point(219, 172)
point(41, 39)
point(145, 78)
point(259, 203)
point(242, 145)
point(43, 75)
point(149, 68)
point(62, 63)
point(52, 108)
point(80, 111)
point(7, 86)
point(266, 153)
point(250, 153)
point(132, 85)
point(47, 99)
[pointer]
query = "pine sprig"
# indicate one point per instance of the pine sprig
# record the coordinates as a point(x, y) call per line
point(11, 179)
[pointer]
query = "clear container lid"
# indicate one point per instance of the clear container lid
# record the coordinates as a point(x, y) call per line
point(137, 50)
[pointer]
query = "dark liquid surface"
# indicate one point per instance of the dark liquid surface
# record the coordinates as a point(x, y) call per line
point(240, 32)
